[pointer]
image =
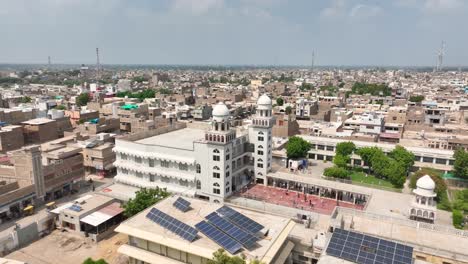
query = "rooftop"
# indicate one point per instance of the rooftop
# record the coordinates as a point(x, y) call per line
point(182, 138)
point(142, 227)
point(38, 121)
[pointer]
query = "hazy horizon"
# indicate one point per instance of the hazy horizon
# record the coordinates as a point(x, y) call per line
point(346, 33)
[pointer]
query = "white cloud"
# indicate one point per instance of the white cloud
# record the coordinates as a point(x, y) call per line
point(337, 8)
point(197, 7)
point(365, 11)
point(437, 6)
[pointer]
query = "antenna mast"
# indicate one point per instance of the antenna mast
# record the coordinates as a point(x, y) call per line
point(98, 64)
point(313, 61)
point(440, 56)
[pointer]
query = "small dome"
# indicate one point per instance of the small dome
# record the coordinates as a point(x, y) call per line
point(220, 110)
point(426, 183)
point(264, 100)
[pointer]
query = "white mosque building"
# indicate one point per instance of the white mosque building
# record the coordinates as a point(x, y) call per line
point(209, 164)
point(423, 206)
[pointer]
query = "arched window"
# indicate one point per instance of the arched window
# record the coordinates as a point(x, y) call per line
point(216, 184)
point(227, 150)
point(198, 168)
point(260, 133)
point(260, 174)
point(217, 138)
point(216, 151)
point(260, 146)
point(260, 160)
point(215, 168)
point(227, 167)
point(222, 126)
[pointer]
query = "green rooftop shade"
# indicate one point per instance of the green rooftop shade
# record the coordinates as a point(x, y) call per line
point(128, 107)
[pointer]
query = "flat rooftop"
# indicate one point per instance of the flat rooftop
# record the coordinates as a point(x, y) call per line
point(142, 227)
point(182, 138)
point(87, 203)
point(38, 121)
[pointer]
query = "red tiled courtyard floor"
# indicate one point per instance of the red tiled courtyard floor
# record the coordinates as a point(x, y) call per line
point(294, 199)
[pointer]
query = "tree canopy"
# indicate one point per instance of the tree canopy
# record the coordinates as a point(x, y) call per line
point(341, 161)
point(220, 257)
point(91, 261)
point(371, 88)
point(460, 165)
point(403, 156)
point(416, 98)
point(26, 99)
point(147, 93)
point(144, 198)
point(345, 148)
point(82, 99)
point(288, 110)
point(297, 147)
point(279, 101)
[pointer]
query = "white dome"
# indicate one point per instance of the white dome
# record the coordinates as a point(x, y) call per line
point(264, 100)
point(426, 183)
point(220, 110)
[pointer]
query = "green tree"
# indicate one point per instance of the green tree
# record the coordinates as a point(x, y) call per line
point(91, 261)
point(379, 162)
point(336, 172)
point(61, 107)
point(221, 257)
point(457, 219)
point(82, 99)
point(371, 88)
point(26, 99)
point(144, 198)
point(279, 101)
point(395, 172)
point(403, 156)
point(345, 148)
point(297, 148)
point(367, 153)
point(416, 98)
point(288, 110)
point(341, 161)
point(460, 165)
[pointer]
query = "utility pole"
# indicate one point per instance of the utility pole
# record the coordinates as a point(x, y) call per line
point(49, 63)
point(440, 57)
point(98, 64)
point(313, 61)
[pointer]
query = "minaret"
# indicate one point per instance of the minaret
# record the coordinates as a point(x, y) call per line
point(220, 152)
point(260, 137)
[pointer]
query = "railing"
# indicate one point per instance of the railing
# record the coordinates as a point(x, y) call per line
point(390, 189)
point(404, 222)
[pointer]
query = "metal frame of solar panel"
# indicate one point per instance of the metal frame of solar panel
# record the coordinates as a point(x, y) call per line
point(182, 204)
point(246, 239)
point(225, 241)
point(170, 223)
point(366, 249)
point(239, 219)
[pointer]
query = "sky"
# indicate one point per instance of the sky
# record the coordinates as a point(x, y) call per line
point(235, 32)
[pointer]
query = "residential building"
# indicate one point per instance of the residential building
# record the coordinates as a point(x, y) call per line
point(39, 130)
point(11, 138)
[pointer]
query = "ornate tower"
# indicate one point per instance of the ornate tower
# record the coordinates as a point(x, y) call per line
point(260, 137)
point(219, 139)
point(423, 206)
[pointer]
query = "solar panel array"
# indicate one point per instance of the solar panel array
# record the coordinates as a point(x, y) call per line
point(170, 223)
point(246, 239)
point(182, 204)
point(75, 208)
point(219, 237)
point(240, 220)
point(366, 249)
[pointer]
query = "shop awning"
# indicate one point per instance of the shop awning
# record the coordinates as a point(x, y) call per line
point(102, 215)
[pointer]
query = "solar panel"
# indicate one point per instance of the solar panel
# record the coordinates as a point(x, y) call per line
point(246, 239)
point(225, 241)
point(239, 219)
point(182, 204)
point(75, 208)
point(170, 223)
point(366, 249)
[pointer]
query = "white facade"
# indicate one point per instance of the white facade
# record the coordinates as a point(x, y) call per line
point(208, 164)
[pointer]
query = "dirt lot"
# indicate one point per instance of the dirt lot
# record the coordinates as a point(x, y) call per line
point(65, 248)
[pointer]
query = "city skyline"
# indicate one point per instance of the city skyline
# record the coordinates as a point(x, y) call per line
point(215, 32)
